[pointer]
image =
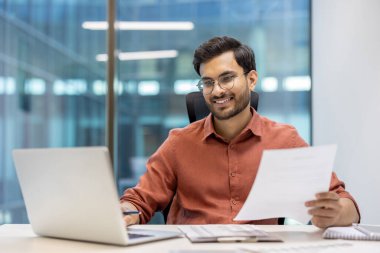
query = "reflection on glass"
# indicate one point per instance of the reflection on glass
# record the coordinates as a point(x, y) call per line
point(49, 84)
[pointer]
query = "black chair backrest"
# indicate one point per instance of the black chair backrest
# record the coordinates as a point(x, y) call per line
point(197, 108)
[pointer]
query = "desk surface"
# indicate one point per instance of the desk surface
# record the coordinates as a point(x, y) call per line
point(20, 238)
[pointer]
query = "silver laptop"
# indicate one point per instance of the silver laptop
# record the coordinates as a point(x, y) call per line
point(71, 193)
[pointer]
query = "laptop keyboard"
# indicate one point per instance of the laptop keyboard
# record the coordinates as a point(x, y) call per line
point(205, 231)
point(134, 236)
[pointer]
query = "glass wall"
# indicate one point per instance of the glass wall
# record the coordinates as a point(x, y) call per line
point(152, 90)
point(52, 89)
point(53, 66)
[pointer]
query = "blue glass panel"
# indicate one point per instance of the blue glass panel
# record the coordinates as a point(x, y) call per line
point(51, 86)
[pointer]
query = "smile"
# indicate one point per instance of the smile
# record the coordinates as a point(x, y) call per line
point(222, 101)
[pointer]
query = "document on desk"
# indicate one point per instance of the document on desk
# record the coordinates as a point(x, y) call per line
point(286, 179)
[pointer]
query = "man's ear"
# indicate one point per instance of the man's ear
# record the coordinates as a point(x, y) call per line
point(252, 79)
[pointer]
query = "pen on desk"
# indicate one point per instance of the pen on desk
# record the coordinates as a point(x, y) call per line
point(363, 230)
point(131, 212)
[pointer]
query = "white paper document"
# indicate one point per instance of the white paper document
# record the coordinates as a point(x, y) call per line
point(286, 179)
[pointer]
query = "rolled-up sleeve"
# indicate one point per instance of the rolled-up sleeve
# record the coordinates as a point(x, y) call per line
point(156, 187)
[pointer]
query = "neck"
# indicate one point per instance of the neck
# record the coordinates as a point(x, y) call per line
point(232, 127)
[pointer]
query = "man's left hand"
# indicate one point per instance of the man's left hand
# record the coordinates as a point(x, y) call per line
point(326, 209)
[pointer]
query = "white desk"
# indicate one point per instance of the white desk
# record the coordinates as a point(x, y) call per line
point(21, 239)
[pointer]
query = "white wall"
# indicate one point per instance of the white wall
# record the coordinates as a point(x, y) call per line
point(346, 93)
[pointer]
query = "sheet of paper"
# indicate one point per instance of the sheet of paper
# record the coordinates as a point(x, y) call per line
point(286, 179)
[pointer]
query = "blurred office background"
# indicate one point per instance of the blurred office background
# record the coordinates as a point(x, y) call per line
point(53, 60)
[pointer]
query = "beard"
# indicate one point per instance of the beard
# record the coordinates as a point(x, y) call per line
point(241, 102)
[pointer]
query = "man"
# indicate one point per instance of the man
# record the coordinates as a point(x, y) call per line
point(208, 167)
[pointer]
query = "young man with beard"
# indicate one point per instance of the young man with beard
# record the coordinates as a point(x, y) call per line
point(208, 167)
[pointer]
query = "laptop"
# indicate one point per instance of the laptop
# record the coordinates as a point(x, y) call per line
point(70, 193)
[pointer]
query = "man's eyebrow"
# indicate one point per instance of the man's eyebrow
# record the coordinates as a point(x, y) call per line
point(227, 72)
point(206, 78)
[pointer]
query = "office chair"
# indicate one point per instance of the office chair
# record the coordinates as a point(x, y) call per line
point(196, 110)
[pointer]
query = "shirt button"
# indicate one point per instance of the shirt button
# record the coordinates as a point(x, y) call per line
point(232, 146)
point(233, 201)
point(233, 174)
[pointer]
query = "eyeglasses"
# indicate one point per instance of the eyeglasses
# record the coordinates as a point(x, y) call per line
point(225, 82)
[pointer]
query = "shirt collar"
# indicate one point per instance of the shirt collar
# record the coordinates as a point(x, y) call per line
point(254, 125)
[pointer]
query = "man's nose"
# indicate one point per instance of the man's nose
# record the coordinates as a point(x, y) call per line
point(217, 89)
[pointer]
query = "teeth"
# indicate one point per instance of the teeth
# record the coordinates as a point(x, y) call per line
point(222, 101)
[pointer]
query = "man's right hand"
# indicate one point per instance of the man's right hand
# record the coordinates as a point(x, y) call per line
point(132, 218)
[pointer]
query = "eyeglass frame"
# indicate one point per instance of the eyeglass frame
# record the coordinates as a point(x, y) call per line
point(199, 85)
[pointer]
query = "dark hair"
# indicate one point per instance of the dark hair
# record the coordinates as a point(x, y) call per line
point(216, 46)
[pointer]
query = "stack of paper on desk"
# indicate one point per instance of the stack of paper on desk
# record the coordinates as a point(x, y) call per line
point(227, 233)
point(286, 179)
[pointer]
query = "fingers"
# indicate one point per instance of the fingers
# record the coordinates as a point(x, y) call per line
point(324, 200)
point(327, 195)
point(325, 209)
point(130, 220)
point(324, 212)
point(332, 204)
point(322, 222)
point(323, 218)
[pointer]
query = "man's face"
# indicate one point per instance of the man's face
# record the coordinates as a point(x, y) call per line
point(225, 104)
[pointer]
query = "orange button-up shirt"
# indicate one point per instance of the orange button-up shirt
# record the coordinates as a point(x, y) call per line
point(207, 177)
